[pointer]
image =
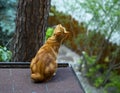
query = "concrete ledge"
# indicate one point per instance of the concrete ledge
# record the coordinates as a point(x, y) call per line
point(19, 81)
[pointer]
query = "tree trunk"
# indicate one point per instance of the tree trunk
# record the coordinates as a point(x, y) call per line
point(31, 23)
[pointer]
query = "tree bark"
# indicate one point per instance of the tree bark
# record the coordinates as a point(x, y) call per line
point(31, 23)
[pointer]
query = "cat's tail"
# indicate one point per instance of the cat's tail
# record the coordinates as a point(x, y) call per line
point(37, 77)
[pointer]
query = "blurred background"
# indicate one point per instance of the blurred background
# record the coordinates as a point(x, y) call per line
point(95, 29)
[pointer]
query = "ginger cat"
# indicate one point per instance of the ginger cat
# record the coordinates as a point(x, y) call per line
point(44, 65)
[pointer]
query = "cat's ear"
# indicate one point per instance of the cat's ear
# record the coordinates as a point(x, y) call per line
point(60, 25)
point(57, 28)
point(66, 32)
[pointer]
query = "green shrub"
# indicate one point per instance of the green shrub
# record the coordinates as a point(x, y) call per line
point(113, 85)
point(100, 75)
point(5, 54)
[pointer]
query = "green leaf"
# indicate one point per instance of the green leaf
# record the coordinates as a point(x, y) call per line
point(49, 32)
point(98, 81)
point(5, 55)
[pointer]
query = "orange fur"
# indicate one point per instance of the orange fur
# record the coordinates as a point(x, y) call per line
point(43, 65)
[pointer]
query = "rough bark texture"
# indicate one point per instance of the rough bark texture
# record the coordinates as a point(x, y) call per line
point(31, 23)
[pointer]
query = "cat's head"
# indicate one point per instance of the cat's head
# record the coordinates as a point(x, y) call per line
point(60, 33)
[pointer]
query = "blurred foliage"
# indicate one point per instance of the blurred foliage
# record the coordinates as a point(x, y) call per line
point(113, 86)
point(105, 16)
point(7, 27)
point(49, 32)
point(99, 60)
point(7, 17)
point(4, 38)
point(100, 76)
point(5, 54)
